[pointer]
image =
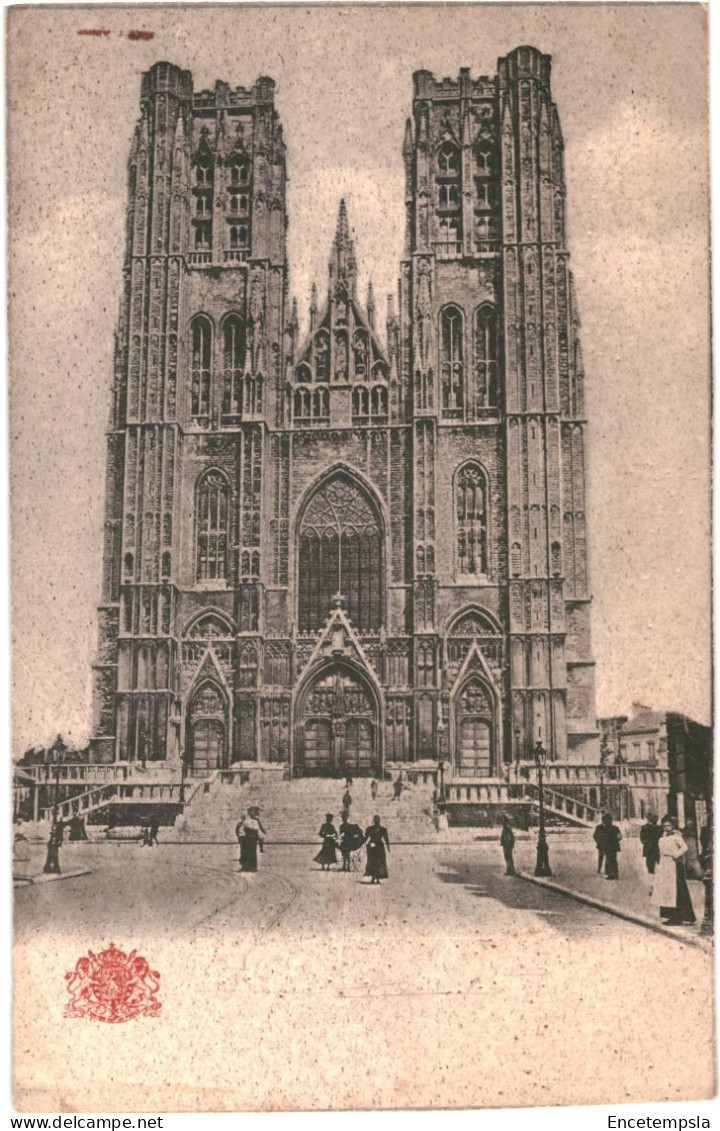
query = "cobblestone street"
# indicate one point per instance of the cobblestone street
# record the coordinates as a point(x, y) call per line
point(448, 945)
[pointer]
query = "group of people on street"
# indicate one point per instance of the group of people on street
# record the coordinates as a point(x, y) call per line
point(350, 839)
point(664, 850)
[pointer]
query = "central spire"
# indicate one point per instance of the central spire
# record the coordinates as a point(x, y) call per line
point(343, 268)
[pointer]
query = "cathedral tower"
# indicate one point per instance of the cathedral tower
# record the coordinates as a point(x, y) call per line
point(338, 554)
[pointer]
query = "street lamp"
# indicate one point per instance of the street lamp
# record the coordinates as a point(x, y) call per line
point(56, 754)
point(542, 864)
point(517, 753)
point(441, 762)
point(183, 772)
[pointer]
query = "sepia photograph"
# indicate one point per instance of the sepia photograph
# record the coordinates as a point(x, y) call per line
point(360, 501)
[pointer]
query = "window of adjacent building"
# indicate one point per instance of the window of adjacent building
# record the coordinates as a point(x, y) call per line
point(340, 553)
point(233, 332)
point(471, 520)
point(200, 367)
point(203, 235)
point(212, 511)
point(651, 751)
point(452, 360)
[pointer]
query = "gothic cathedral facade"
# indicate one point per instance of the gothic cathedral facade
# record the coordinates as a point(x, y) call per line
point(347, 551)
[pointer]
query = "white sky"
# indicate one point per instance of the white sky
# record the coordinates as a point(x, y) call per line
point(630, 83)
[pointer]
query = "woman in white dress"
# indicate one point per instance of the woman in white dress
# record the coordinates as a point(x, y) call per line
point(670, 895)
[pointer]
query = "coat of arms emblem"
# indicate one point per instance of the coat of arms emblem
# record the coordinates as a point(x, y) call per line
point(112, 986)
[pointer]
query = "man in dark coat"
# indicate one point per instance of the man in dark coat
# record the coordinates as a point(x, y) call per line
point(650, 835)
point(507, 842)
point(607, 837)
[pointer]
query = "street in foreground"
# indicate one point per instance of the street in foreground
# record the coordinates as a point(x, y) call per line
point(456, 979)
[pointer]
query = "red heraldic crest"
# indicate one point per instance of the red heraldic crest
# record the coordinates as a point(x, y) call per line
point(112, 986)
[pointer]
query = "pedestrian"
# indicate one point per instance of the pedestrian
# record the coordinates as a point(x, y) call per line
point(351, 837)
point(153, 829)
point(670, 895)
point(607, 837)
point(377, 841)
point(347, 800)
point(398, 787)
point(145, 835)
point(250, 833)
point(328, 853)
point(348, 782)
point(507, 842)
point(373, 789)
point(650, 834)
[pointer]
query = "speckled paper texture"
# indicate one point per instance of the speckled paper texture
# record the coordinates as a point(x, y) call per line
point(450, 985)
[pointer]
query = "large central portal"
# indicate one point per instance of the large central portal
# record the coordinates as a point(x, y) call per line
point(337, 726)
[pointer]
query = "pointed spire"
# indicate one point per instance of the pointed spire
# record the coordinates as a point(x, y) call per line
point(342, 259)
point(371, 306)
point(313, 306)
point(390, 308)
point(408, 142)
point(294, 316)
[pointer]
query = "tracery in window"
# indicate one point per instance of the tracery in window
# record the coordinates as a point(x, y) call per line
point(212, 524)
point(449, 160)
point(200, 367)
point(452, 361)
point(471, 519)
point(340, 552)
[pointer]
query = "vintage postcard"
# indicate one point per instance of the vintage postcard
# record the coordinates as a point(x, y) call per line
point(360, 499)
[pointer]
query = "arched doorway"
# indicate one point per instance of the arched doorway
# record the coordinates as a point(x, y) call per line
point(337, 730)
point(474, 722)
point(207, 729)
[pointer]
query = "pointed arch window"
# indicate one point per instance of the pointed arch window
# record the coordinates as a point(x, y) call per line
point(200, 368)
point(449, 160)
point(471, 520)
point(340, 552)
point(233, 332)
point(212, 519)
point(486, 360)
point(452, 358)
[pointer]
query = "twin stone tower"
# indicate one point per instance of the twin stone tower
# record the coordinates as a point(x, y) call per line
point(347, 550)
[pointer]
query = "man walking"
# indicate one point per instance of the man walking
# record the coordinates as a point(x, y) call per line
point(607, 837)
point(650, 835)
point(507, 842)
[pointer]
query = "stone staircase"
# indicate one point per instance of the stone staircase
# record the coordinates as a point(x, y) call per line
point(292, 811)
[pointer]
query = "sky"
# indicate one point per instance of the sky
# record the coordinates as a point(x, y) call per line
point(630, 83)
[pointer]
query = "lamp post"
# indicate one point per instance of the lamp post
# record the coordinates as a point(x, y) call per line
point(517, 753)
point(183, 774)
point(56, 753)
point(441, 760)
point(542, 864)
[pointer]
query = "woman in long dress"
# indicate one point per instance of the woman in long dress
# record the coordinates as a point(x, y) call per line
point(670, 895)
point(250, 833)
point(377, 841)
point(328, 853)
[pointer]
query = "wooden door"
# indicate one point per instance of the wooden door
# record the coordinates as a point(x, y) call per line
point(474, 755)
point(359, 752)
point(208, 741)
point(317, 747)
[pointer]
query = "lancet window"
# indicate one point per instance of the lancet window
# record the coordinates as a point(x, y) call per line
point(200, 368)
point(212, 523)
point(471, 520)
point(452, 358)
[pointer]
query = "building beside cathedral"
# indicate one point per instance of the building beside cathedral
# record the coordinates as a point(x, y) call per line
point(366, 545)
